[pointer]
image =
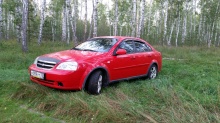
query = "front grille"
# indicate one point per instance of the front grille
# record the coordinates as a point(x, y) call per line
point(45, 64)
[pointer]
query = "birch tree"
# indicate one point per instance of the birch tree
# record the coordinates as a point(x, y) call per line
point(8, 25)
point(149, 17)
point(133, 24)
point(24, 26)
point(43, 6)
point(141, 23)
point(165, 21)
point(91, 25)
point(116, 18)
point(1, 24)
point(67, 24)
point(85, 29)
point(171, 32)
point(95, 17)
point(184, 32)
point(75, 19)
point(64, 29)
point(17, 21)
point(177, 30)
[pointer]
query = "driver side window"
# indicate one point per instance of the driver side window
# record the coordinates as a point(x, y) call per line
point(128, 46)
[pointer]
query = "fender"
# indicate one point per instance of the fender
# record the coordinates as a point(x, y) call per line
point(153, 62)
point(89, 71)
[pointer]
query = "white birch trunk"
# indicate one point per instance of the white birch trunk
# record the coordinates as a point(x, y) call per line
point(24, 26)
point(200, 27)
point(178, 29)
point(95, 17)
point(213, 26)
point(53, 31)
point(91, 25)
point(72, 23)
point(209, 41)
point(141, 23)
point(184, 32)
point(215, 40)
point(85, 29)
point(211, 31)
point(121, 28)
point(110, 30)
point(75, 13)
point(116, 18)
point(184, 29)
point(1, 24)
point(203, 29)
point(8, 26)
point(171, 32)
point(126, 28)
point(68, 26)
point(157, 29)
point(194, 14)
point(191, 22)
point(18, 14)
point(149, 18)
point(165, 20)
point(133, 25)
point(218, 41)
point(216, 37)
point(43, 5)
point(12, 25)
point(64, 24)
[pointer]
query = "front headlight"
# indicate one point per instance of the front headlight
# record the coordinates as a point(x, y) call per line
point(67, 66)
point(35, 61)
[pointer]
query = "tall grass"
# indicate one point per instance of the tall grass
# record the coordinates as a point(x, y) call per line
point(186, 90)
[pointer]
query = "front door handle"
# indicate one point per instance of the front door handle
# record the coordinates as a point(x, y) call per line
point(132, 57)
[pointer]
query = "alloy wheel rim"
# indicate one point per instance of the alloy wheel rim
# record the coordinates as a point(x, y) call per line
point(153, 73)
point(99, 83)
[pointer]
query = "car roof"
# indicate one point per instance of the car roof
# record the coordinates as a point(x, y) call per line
point(119, 37)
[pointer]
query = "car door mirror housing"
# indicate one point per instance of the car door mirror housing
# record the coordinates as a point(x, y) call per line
point(121, 52)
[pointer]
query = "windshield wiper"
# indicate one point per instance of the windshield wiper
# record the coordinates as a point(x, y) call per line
point(84, 49)
point(76, 48)
point(89, 50)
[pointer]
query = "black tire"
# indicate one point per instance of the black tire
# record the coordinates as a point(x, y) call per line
point(95, 83)
point(152, 73)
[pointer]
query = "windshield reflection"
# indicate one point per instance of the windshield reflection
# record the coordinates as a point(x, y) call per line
point(97, 45)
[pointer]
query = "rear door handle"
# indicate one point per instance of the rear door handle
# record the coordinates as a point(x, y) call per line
point(149, 55)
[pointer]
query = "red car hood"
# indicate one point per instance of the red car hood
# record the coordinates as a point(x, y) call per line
point(73, 55)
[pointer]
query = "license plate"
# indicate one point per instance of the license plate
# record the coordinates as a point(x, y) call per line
point(37, 74)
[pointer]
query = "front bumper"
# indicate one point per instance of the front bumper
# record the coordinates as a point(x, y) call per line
point(59, 79)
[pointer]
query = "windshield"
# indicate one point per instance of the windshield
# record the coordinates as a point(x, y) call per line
point(97, 45)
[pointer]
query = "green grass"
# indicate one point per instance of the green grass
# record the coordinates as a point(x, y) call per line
point(186, 90)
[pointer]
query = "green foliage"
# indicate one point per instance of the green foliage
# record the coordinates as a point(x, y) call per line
point(186, 90)
point(202, 20)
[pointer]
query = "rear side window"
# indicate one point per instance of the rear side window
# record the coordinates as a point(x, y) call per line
point(141, 47)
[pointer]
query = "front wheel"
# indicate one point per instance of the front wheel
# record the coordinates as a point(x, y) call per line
point(95, 83)
point(152, 73)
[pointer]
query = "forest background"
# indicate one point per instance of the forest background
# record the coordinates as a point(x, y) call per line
point(161, 22)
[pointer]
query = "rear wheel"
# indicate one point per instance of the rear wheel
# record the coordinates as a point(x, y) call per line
point(152, 73)
point(95, 83)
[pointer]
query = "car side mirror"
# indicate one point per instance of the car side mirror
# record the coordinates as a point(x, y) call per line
point(121, 52)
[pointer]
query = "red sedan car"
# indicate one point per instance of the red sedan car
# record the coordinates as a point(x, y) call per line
point(96, 63)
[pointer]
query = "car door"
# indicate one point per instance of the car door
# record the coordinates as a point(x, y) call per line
point(143, 57)
point(123, 66)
